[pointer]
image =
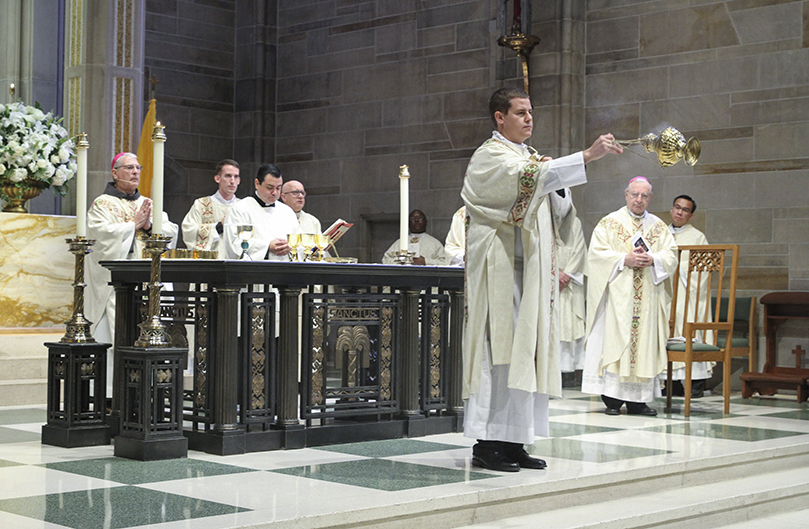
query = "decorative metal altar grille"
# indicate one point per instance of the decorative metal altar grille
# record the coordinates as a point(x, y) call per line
point(348, 355)
point(434, 332)
point(258, 361)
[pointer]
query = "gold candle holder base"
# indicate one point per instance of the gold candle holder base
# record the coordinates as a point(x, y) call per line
point(152, 331)
point(403, 257)
point(523, 45)
point(78, 327)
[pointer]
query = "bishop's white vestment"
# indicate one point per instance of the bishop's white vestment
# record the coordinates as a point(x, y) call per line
point(688, 235)
point(627, 308)
point(420, 244)
point(455, 245)
point(571, 254)
point(199, 224)
point(269, 222)
point(110, 223)
point(511, 357)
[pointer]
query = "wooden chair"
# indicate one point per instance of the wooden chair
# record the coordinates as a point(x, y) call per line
point(745, 334)
point(708, 261)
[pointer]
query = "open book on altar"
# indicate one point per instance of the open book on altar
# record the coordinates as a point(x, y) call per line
point(337, 230)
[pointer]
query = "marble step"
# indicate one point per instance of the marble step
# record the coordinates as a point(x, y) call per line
point(23, 391)
point(721, 490)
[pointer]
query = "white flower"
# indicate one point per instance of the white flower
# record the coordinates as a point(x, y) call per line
point(2, 167)
point(18, 175)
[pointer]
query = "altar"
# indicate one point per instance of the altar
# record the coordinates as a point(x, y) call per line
point(289, 355)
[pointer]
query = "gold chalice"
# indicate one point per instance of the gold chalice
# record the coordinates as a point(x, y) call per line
point(322, 242)
point(308, 242)
point(294, 240)
point(670, 147)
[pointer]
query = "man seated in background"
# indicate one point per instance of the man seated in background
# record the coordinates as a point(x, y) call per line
point(426, 248)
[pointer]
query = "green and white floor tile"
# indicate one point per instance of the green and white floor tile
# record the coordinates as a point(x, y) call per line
point(47, 487)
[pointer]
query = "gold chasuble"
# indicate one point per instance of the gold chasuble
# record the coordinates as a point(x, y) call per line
point(627, 308)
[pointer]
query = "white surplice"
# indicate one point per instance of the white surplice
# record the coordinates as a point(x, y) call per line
point(420, 244)
point(455, 245)
point(269, 223)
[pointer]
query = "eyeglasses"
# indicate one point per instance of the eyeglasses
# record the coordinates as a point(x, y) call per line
point(644, 196)
point(296, 193)
point(130, 167)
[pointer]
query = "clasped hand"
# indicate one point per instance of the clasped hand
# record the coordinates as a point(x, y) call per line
point(638, 258)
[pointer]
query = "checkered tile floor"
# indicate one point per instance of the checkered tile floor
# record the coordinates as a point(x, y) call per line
point(49, 487)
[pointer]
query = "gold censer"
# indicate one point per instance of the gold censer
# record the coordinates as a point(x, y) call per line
point(670, 147)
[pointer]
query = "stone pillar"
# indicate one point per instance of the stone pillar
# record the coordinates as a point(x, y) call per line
point(103, 80)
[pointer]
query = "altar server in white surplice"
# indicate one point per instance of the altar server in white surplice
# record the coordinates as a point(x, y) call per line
point(272, 221)
point(455, 245)
point(571, 253)
point(203, 225)
point(119, 220)
point(632, 256)
point(511, 357)
point(687, 235)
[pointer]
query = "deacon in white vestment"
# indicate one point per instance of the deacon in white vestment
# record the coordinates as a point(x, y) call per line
point(203, 224)
point(119, 220)
point(686, 234)
point(632, 255)
point(270, 219)
point(455, 245)
point(511, 358)
point(571, 252)
point(294, 196)
point(427, 249)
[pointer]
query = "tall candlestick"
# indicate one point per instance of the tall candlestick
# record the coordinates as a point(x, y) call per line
point(81, 184)
point(404, 201)
point(159, 140)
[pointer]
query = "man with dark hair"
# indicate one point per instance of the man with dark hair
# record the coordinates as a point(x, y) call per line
point(271, 221)
point(427, 249)
point(203, 224)
point(511, 357)
point(685, 234)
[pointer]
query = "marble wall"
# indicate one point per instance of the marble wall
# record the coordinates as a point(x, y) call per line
point(36, 270)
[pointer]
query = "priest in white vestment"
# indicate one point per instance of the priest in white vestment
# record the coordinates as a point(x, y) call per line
point(511, 357)
point(272, 221)
point(203, 225)
point(571, 252)
point(631, 258)
point(294, 195)
point(455, 244)
point(685, 234)
point(427, 249)
point(118, 220)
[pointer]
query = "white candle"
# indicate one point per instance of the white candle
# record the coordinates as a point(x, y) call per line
point(404, 201)
point(159, 140)
point(81, 185)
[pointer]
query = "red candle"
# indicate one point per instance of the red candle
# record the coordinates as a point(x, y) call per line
point(516, 27)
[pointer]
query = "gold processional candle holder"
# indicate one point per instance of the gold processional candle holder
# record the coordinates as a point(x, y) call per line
point(153, 332)
point(670, 147)
point(78, 327)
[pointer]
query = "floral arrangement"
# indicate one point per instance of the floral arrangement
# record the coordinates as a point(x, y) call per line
point(35, 150)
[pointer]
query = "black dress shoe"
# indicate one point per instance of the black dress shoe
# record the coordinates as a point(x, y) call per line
point(612, 411)
point(493, 458)
point(645, 410)
point(517, 454)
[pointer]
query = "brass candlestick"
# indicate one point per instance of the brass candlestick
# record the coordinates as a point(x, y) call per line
point(78, 327)
point(152, 331)
point(670, 147)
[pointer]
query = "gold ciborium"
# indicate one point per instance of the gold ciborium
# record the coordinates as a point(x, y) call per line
point(670, 147)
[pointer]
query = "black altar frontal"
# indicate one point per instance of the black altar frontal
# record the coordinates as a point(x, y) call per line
point(288, 355)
